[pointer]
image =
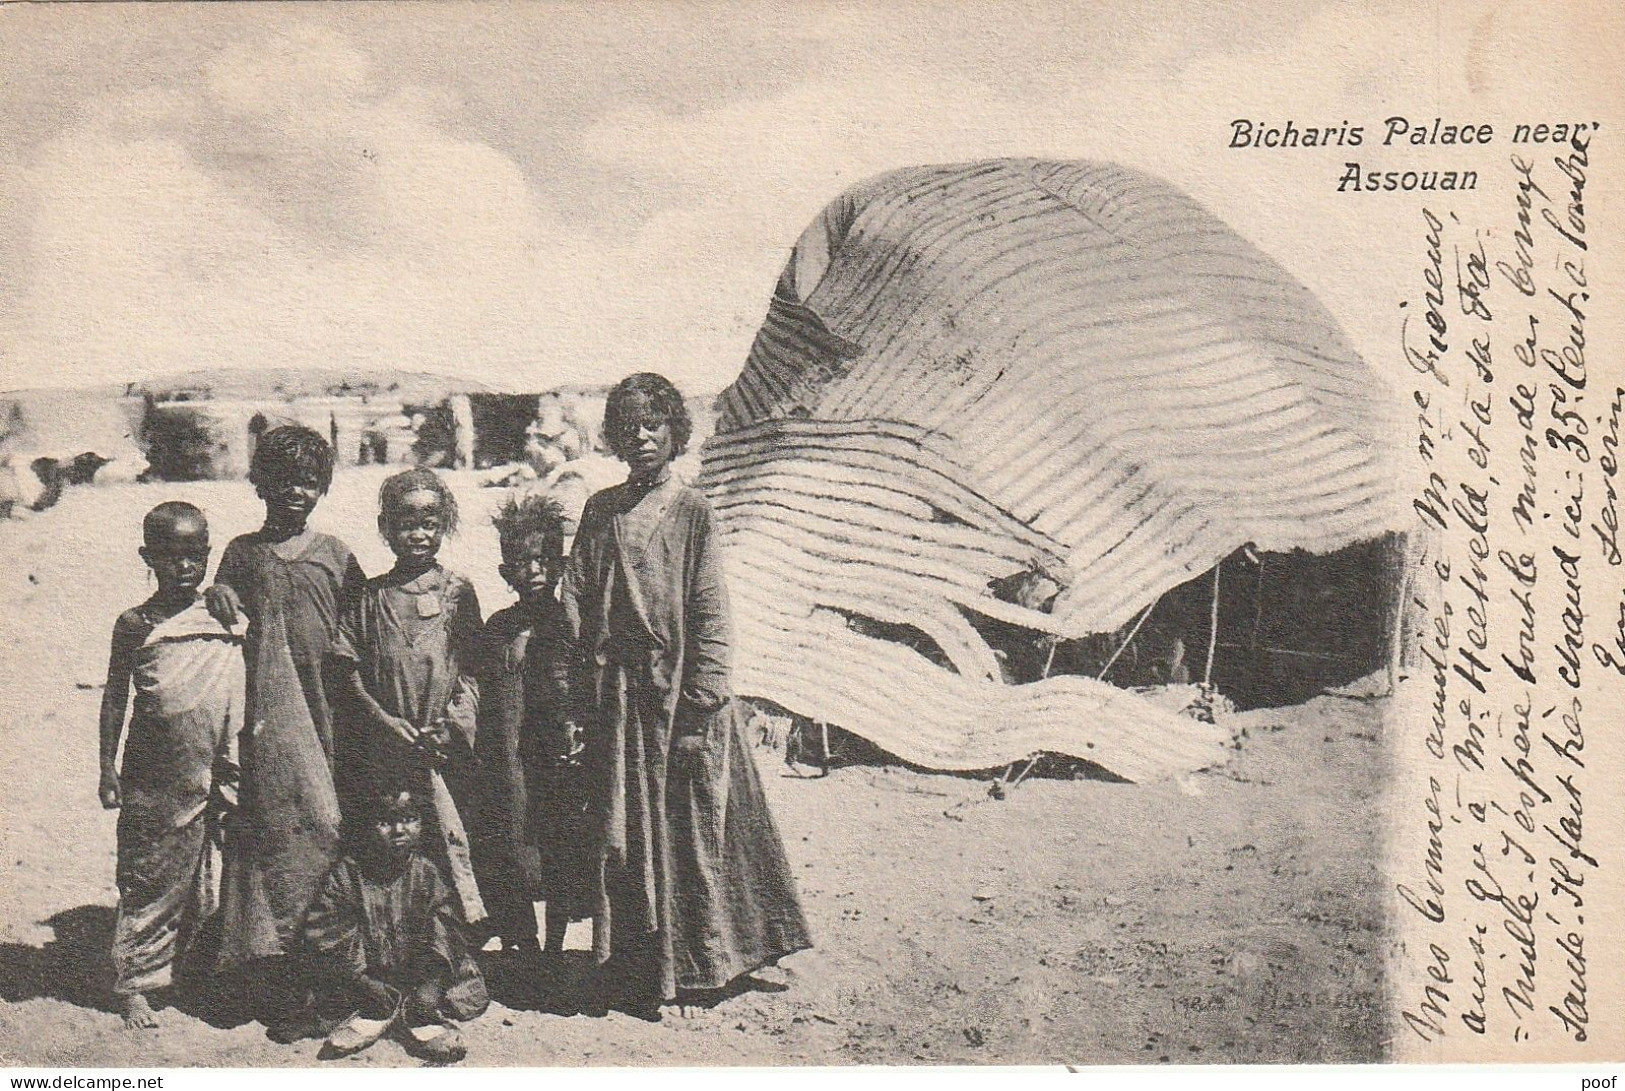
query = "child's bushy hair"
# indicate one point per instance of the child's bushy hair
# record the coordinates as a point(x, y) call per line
point(658, 393)
point(396, 487)
point(527, 516)
point(289, 450)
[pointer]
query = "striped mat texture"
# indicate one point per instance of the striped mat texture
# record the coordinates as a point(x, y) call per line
point(972, 372)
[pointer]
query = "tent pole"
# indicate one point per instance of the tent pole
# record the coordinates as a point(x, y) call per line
point(1258, 604)
point(1396, 629)
point(1213, 628)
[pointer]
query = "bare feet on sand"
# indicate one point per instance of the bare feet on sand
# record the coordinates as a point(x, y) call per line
point(138, 1014)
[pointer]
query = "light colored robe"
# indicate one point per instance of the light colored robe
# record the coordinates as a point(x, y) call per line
point(178, 779)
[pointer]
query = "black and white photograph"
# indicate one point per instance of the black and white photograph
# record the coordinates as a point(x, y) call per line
point(543, 535)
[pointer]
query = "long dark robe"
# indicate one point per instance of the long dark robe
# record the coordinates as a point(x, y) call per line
point(286, 833)
point(178, 776)
point(694, 886)
point(413, 645)
point(396, 926)
point(531, 838)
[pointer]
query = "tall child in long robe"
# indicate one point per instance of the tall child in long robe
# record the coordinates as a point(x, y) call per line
point(406, 651)
point(530, 838)
point(291, 584)
point(179, 773)
point(694, 886)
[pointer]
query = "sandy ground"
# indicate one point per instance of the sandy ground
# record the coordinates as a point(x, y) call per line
point(1234, 917)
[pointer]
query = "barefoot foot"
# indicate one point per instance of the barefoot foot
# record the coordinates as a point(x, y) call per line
point(138, 1014)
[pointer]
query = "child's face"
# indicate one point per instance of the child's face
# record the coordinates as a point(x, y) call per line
point(532, 568)
point(290, 500)
point(180, 558)
point(645, 440)
point(398, 826)
point(415, 526)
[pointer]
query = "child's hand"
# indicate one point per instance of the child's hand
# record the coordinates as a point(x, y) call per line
point(402, 729)
point(688, 744)
point(438, 734)
point(224, 605)
point(423, 1006)
point(570, 747)
point(435, 743)
point(109, 790)
point(381, 1000)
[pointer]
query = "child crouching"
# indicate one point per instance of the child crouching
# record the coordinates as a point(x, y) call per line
point(385, 938)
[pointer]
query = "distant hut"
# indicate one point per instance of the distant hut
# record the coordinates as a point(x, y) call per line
point(203, 438)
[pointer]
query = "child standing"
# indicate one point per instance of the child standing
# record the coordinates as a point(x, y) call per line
point(530, 840)
point(694, 889)
point(407, 653)
point(179, 769)
point(385, 938)
point(291, 583)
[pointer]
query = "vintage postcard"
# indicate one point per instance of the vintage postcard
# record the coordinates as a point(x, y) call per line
point(723, 533)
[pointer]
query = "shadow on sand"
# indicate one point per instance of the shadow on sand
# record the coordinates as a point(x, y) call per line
point(73, 967)
point(76, 967)
point(739, 986)
point(567, 984)
point(557, 984)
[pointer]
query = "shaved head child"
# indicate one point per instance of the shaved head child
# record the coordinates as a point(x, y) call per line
point(179, 771)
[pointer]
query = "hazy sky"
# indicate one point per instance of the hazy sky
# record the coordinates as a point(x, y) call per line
point(537, 193)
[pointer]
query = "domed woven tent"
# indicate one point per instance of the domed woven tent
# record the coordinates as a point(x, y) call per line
point(1069, 372)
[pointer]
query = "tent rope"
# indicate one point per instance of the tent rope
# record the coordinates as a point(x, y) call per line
point(1049, 659)
point(1127, 640)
